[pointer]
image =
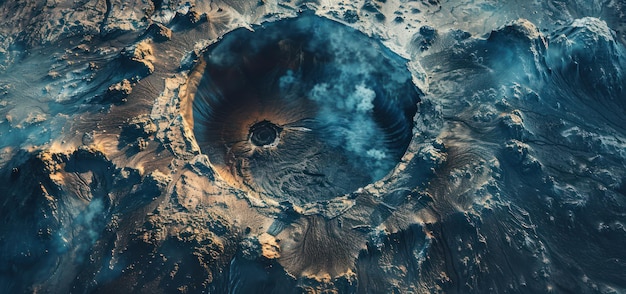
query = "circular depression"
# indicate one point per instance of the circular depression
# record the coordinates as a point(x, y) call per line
point(303, 109)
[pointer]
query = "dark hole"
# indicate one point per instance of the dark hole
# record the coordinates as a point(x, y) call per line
point(264, 133)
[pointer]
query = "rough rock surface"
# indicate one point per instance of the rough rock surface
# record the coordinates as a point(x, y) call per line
point(513, 181)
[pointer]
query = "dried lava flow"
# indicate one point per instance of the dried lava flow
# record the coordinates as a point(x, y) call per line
point(302, 109)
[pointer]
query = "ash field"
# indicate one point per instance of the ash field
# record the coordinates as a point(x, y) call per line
point(377, 146)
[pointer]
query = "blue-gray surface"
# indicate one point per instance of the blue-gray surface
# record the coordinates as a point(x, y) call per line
point(514, 179)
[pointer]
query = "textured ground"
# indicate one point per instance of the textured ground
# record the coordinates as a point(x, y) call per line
point(513, 181)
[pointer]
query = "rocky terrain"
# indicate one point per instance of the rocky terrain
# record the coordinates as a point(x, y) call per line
point(388, 146)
